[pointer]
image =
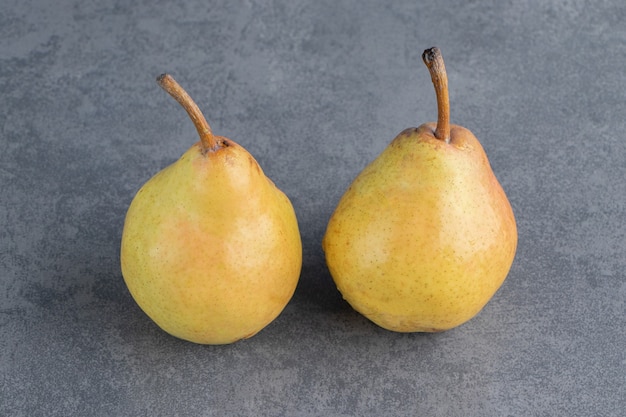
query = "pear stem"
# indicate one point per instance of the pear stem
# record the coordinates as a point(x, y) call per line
point(434, 61)
point(208, 141)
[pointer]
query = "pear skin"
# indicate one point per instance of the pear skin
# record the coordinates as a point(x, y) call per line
point(211, 249)
point(425, 235)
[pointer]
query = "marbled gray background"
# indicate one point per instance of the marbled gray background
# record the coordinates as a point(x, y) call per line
point(314, 90)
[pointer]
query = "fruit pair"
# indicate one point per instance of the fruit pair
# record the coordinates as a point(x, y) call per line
point(420, 241)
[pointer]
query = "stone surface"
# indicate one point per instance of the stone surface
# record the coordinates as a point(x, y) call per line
point(314, 90)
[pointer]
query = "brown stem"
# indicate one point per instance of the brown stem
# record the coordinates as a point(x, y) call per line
point(207, 139)
point(434, 61)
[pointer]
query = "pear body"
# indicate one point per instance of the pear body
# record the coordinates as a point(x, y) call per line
point(424, 236)
point(211, 249)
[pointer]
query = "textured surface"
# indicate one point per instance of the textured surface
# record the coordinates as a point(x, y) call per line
point(314, 90)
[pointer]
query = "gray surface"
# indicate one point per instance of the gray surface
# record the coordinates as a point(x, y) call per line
point(314, 90)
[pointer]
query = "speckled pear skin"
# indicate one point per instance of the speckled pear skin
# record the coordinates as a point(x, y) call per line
point(211, 249)
point(424, 236)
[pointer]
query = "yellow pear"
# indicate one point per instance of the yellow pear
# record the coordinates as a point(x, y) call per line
point(425, 235)
point(211, 249)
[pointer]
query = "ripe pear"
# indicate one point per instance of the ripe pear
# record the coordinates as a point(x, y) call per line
point(425, 235)
point(211, 249)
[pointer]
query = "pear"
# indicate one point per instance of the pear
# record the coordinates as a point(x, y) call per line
point(211, 249)
point(425, 235)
